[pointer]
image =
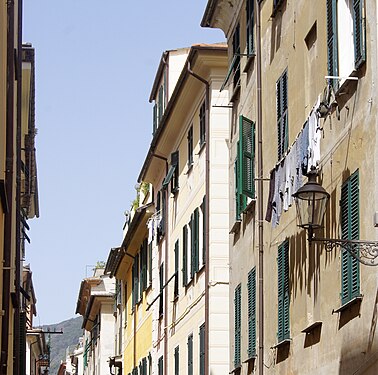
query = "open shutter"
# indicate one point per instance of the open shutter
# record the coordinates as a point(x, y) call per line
point(192, 250)
point(177, 360)
point(359, 33)
point(252, 313)
point(184, 255)
point(283, 331)
point(237, 326)
point(247, 155)
point(196, 239)
point(204, 230)
point(282, 115)
point(176, 286)
point(190, 354)
point(350, 268)
point(202, 349)
point(154, 119)
point(332, 52)
point(250, 26)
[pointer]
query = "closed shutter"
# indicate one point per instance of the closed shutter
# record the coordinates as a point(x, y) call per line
point(160, 366)
point(154, 119)
point(163, 212)
point(184, 255)
point(332, 48)
point(359, 33)
point(161, 103)
point(190, 354)
point(283, 292)
point(247, 155)
point(237, 326)
point(350, 268)
point(192, 249)
point(252, 313)
point(161, 278)
point(150, 263)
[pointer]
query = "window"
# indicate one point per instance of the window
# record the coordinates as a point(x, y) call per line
point(283, 292)
point(250, 27)
point(150, 264)
point(345, 37)
point(251, 287)
point(202, 116)
point(190, 354)
point(282, 115)
point(177, 254)
point(177, 360)
point(190, 147)
point(160, 366)
point(236, 60)
point(245, 165)
point(161, 281)
point(237, 326)
point(184, 255)
point(160, 207)
point(202, 350)
point(350, 228)
point(161, 103)
point(155, 119)
point(173, 173)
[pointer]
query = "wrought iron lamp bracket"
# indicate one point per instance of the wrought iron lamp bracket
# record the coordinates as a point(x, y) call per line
point(366, 252)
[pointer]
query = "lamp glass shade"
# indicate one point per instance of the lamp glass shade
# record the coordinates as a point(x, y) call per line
point(311, 202)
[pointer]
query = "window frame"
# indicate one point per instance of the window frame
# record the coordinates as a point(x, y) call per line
point(282, 114)
point(190, 147)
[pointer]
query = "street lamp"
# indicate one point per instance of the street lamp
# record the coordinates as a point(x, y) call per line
point(311, 203)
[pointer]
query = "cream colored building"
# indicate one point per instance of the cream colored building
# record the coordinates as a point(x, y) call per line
point(96, 305)
point(187, 166)
point(302, 83)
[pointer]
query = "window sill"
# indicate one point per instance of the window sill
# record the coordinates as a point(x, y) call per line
point(250, 59)
point(309, 329)
point(350, 303)
point(190, 168)
point(236, 370)
point(250, 359)
point(236, 227)
point(282, 343)
point(250, 207)
point(202, 146)
point(235, 94)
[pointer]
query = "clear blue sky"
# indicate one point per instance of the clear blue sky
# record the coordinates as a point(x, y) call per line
point(95, 65)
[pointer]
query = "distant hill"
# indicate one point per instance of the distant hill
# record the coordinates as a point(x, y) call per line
point(60, 342)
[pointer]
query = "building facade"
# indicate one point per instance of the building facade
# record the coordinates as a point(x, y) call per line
point(187, 166)
point(96, 305)
point(302, 88)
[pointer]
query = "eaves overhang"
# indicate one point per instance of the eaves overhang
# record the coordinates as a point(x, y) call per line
point(116, 255)
point(219, 14)
point(190, 61)
point(90, 313)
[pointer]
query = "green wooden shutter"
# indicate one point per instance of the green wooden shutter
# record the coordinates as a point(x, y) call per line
point(237, 326)
point(237, 200)
point(359, 33)
point(282, 115)
point(250, 27)
point(160, 366)
point(236, 53)
point(204, 244)
point(184, 255)
point(350, 268)
point(202, 349)
point(192, 251)
point(163, 211)
point(22, 342)
point(332, 47)
point(150, 263)
point(283, 292)
point(177, 360)
point(190, 354)
point(252, 313)
point(154, 119)
point(247, 155)
point(161, 103)
point(176, 285)
point(161, 278)
point(196, 239)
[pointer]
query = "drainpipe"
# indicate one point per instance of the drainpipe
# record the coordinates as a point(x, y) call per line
point(9, 190)
point(260, 193)
point(17, 311)
point(207, 210)
point(166, 242)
